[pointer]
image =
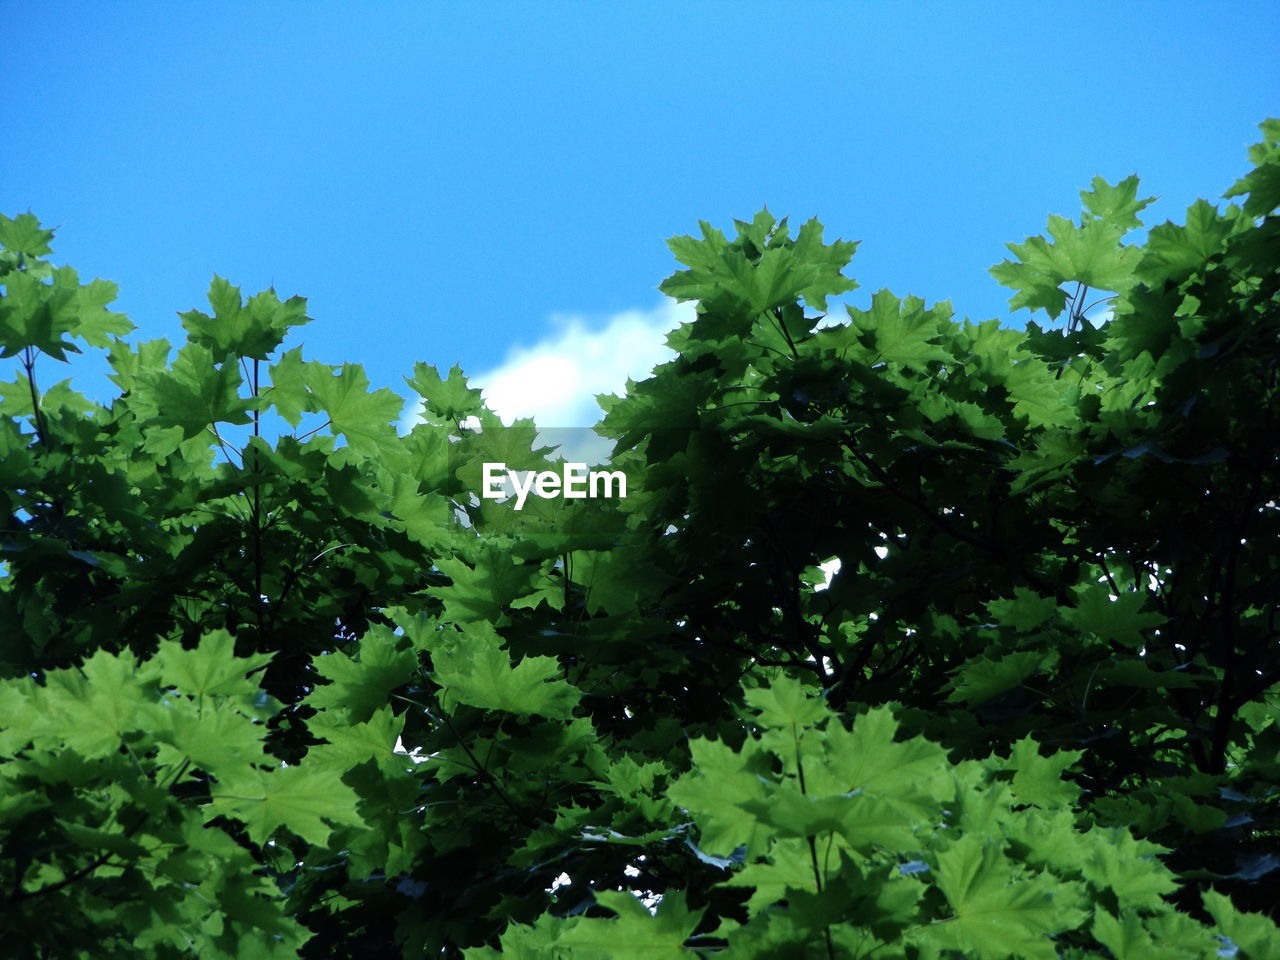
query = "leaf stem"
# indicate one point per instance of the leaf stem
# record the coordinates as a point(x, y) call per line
point(37, 415)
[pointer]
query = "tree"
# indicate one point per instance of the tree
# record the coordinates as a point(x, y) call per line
point(1033, 714)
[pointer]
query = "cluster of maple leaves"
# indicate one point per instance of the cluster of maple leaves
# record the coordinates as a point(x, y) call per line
point(276, 682)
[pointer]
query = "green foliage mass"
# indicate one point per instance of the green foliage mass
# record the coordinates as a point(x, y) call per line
point(275, 681)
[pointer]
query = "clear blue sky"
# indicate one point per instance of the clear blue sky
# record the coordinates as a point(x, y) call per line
point(443, 181)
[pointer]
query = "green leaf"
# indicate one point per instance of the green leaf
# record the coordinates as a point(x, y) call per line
point(715, 790)
point(980, 679)
point(1120, 620)
point(23, 234)
point(18, 712)
point(92, 708)
point(789, 867)
point(288, 390)
point(1041, 399)
point(117, 843)
point(520, 942)
point(481, 591)
point(194, 393)
point(1025, 611)
point(351, 744)
point(1118, 205)
point(1038, 779)
point(1128, 868)
point(475, 670)
point(909, 774)
point(40, 315)
point(1254, 933)
point(635, 933)
point(1052, 452)
point(785, 703)
point(903, 332)
point(1136, 673)
point(359, 685)
point(304, 800)
point(15, 398)
point(210, 669)
point(426, 517)
point(1262, 184)
point(759, 270)
point(215, 737)
point(999, 914)
point(790, 813)
point(365, 419)
point(1173, 251)
point(830, 259)
point(450, 399)
point(237, 329)
point(1091, 254)
point(627, 778)
point(1129, 938)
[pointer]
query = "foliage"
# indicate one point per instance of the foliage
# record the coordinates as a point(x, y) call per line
point(276, 681)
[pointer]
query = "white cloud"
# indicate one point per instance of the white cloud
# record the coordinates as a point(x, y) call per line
point(556, 380)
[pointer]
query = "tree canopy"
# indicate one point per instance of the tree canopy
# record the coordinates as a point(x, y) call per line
point(276, 681)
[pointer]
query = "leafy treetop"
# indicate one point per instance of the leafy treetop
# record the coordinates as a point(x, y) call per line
point(275, 681)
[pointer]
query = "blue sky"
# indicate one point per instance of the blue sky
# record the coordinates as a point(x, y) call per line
point(491, 184)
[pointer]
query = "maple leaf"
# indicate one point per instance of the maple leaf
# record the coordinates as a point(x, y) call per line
point(903, 331)
point(194, 393)
point(1117, 204)
point(23, 234)
point(1255, 933)
point(1037, 396)
point(350, 744)
point(237, 329)
point(449, 398)
point(478, 672)
point(759, 270)
point(1174, 250)
point(1128, 867)
point(40, 315)
point(304, 800)
point(1262, 184)
point(716, 788)
point(364, 418)
point(981, 678)
point(785, 703)
point(480, 591)
point(999, 914)
point(288, 390)
point(643, 936)
point(788, 867)
point(1038, 779)
point(215, 737)
point(1119, 619)
point(210, 668)
point(1091, 254)
point(359, 685)
point(94, 706)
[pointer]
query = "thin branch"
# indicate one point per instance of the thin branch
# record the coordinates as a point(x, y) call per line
point(226, 447)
